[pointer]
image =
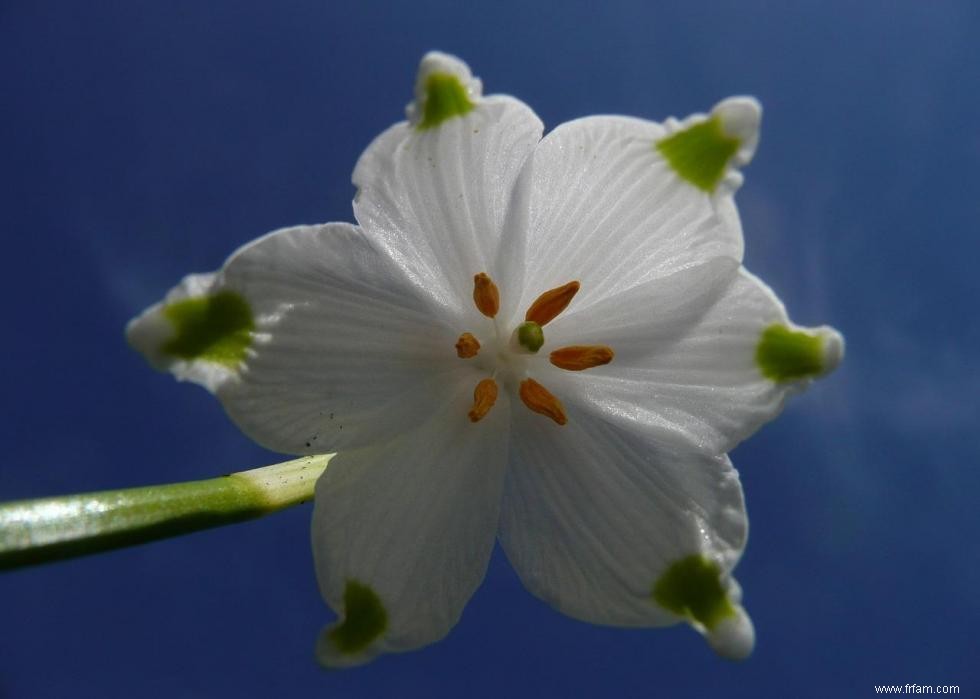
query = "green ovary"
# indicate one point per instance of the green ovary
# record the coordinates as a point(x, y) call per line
point(530, 336)
point(787, 355)
point(700, 153)
point(691, 587)
point(214, 328)
point(445, 98)
point(364, 619)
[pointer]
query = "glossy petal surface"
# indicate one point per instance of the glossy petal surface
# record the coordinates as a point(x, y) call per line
point(414, 521)
point(594, 515)
point(607, 209)
point(695, 376)
point(439, 199)
point(347, 351)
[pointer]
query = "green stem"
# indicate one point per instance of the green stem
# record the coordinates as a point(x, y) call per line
point(51, 529)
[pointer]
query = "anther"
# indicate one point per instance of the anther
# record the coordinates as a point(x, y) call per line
point(579, 357)
point(485, 295)
point(549, 304)
point(467, 346)
point(484, 396)
point(540, 400)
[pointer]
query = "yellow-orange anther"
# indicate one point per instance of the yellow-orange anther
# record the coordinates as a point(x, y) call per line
point(467, 346)
point(485, 295)
point(484, 396)
point(549, 304)
point(540, 400)
point(579, 357)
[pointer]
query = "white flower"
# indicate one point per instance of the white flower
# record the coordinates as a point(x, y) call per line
point(432, 348)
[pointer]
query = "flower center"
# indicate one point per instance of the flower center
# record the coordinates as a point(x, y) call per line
point(509, 358)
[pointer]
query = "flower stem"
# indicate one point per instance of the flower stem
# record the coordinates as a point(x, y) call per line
point(51, 529)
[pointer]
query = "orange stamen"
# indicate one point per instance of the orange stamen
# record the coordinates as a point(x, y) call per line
point(484, 396)
point(549, 304)
point(539, 399)
point(467, 346)
point(579, 357)
point(485, 295)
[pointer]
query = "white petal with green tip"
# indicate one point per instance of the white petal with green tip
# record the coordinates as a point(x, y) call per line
point(704, 384)
point(412, 521)
point(438, 198)
point(606, 209)
point(594, 517)
point(342, 349)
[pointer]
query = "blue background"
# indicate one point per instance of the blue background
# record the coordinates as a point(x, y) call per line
point(142, 141)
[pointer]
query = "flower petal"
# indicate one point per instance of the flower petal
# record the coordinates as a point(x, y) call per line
point(640, 321)
point(349, 351)
point(438, 196)
point(711, 383)
point(341, 350)
point(411, 522)
point(610, 527)
point(609, 209)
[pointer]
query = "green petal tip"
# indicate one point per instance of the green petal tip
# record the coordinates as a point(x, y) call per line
point(704, 151)
point(785, 354)
point(365, 619)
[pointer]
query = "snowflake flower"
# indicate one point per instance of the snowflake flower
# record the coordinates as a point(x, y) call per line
point(547, 341)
